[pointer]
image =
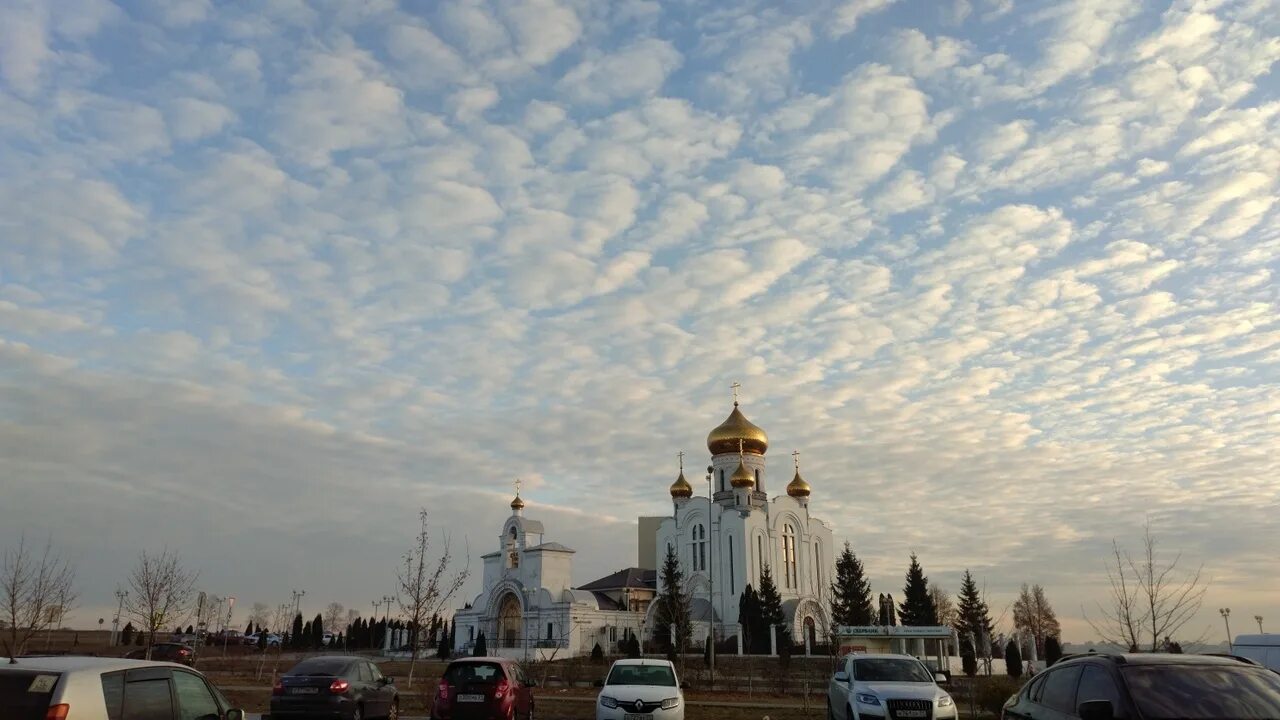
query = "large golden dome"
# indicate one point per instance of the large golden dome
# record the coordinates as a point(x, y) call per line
point(681, 487)
point(724, 439)
point(742, 477)
point(798, 487)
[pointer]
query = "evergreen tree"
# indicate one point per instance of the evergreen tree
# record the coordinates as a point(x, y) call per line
point(295, 637)
point(972, 615)
point(317, 632)
point(262, 640)
point(968, 657)
point(917, 607)
point(672, 622)
point(340, 640)
point(850, 592)
point(191, 629)
point(482, 648)
point(257, 629)
point(126, 635)
point(304, 638)
point(771, 610)
point(633, 646)
point(597, 654)
point(749, 619)
point(140, 638)
point(1013, 660)
point(442, 652)
point(1052, 650)
point(248, 629)
point(453, 632)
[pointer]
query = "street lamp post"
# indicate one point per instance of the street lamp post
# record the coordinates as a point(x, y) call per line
point(1258, 619)
point(115, 624)
point(711, 586)
point(1226, 618)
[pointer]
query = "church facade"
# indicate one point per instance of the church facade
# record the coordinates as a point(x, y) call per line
point(529, 607)
point(727, 541)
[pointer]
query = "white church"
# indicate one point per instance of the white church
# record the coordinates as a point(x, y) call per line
point(529, 606)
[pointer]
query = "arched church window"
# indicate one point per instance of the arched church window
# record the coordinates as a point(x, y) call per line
point(513, 557)
point(699, 548)
point(721, 479)
point(731, 583)
point(757, 478)
point(759, 557)
point(789, 555)
point(817, 561)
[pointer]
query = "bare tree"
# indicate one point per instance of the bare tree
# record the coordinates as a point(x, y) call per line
point(159, 592)
point(942, 604)
point(1033, 614)
point(333, 615)
point(1151, 600)
point(260, 615)
point(426, 584)
point(36, 592)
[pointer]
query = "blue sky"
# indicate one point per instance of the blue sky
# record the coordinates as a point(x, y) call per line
point(273, 275)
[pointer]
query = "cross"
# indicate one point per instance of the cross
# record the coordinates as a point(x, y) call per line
point(681, 456)
point(796, 455)
point(517, 484)
point(735, 387)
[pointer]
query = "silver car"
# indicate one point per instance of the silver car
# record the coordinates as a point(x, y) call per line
point(887, 687)
point(92, 688)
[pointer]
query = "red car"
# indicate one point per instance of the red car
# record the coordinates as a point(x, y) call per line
point(483, 687)
point(166, 652)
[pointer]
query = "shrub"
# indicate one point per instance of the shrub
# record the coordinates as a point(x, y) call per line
point(992, 692)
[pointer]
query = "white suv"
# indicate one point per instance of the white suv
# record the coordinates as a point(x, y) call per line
point(640, 690)
point(887, 687)
point(91, 688)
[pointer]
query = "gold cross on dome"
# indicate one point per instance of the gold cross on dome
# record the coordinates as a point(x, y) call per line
point(681, 456)
point(735, 387)
point(517, 484)
point(795, 454)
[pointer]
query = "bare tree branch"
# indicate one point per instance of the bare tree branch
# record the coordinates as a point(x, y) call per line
point(159, 592)
point(1122, 618)
point(35, 592)
point(426, 584)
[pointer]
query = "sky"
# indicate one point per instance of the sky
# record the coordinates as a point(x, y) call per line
point(275, 275)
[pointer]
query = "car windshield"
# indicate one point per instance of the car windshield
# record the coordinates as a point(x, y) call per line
point(473, 672)
point(321, 666)
point(642, 675)
point(890, 670)
point(1201, 692)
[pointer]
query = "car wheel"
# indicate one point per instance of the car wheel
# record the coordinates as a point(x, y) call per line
point(393, 713)
point(356, 714)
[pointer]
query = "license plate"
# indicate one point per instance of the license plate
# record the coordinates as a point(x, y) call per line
point(637, 716)
point(911, 713)
point(470, 698)
point(303, 691)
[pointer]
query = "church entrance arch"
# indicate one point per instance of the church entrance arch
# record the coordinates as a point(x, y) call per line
point(510, 620)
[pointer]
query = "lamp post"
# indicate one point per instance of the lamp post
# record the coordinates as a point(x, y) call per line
point(1258, 619)
point(711, 587)
point(1226, 618)
point(115, 624)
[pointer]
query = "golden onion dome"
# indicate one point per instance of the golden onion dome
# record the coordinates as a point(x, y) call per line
point(517, 503)
point(735, 428)
point(681, 487)
point(742, 477)
point(798, 487)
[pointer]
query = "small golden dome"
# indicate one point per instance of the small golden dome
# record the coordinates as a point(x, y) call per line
point(798, 487)
point(724, 439)
point(681, 487)
point(517, 503)
point(742, 477)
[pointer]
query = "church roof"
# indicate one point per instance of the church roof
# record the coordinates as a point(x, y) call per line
point(605, 602)
point(633, 577)
point(552, 546)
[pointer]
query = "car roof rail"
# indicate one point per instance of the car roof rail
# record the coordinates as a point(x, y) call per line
point(1238, 658)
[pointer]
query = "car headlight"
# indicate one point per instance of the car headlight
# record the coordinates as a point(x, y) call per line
point(868, 699)
point(944, 701)
point(608, 702)
point(671, 703)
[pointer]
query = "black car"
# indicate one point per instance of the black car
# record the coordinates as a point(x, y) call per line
point(166, 652)
point(334, 686)
point(1134, 687)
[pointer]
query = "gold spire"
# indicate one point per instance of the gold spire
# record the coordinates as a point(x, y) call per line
point(797, 488)
point(517, 503)
point(681, 487)
point(742, 477)
point(724, 439)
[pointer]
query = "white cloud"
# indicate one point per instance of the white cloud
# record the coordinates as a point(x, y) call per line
point(848, 13)
point(193, 119)
point(638, 69)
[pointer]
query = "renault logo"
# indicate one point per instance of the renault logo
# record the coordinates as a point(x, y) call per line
point(639, 706)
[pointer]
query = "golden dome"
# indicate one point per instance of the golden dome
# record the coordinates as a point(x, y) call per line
point(681, 487)
point(798, 487)
point(742, 477)
point(517, 503)
point(724, 439)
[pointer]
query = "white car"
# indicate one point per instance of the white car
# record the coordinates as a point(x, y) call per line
point(887, 686)
point(640, 690)
point(94, 688)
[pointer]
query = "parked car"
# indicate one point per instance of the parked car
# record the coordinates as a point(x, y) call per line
point(483, 687)
point(336, 686)
point(273, 640)
point(96, 688)
point(165, 652)
point(1101, 687)
point(896, 687)
point(647, 688)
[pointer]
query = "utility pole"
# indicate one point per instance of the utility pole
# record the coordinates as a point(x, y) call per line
point(711, 585)
point(297, 601)
point(1226, 618)
point(115, 624)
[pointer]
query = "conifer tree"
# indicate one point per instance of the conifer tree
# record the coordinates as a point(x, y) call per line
point(633, 646)
point(482, 647)
point(917, 605)
point(968, 657)
point(248, 629)
point(749, 619)
point(126, 635)
point(295, 636)
point(850, 591)
point(771, 610)
point(972, 615)
point(672, 622)
point(317, 632)
point(1052, 650)
point(442, 652)
point(303, 639)
point(1013, 660)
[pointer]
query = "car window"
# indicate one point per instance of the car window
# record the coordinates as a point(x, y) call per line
point(659, 675)
point(113, 694)
point(148, 700)
point(473, 672)
point(1060, 689)
point(1199, 692)
point(890, 670)
point(1032, 690)
point(1096, 684)
point(374, 673)
point(321, 666)
point(195, 702)
point(25, 694)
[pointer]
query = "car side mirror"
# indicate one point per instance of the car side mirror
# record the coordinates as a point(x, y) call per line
point(940, 678)
point(598, 683)
point(235, 714)
point(842, 676)
point(1096, 710)
point(388, 680)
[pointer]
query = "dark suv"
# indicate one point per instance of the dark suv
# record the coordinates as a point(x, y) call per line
point(1145, 687)
point(166, 652)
